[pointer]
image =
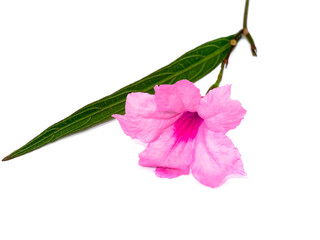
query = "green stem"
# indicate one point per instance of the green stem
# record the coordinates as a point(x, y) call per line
point(217, 83)
point(253, 46)
point(245, 16)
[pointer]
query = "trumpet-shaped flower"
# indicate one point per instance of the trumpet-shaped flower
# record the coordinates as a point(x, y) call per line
point(186, 132)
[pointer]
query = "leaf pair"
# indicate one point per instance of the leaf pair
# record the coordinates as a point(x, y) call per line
point(193, 65)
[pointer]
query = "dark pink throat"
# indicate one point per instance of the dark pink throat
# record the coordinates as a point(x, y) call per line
point(187, 126)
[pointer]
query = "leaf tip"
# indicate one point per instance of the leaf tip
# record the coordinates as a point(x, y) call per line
point(7, 158)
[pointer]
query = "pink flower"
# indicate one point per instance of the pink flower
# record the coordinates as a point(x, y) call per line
point(186, 132)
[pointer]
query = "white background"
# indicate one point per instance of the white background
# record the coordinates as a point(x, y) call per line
point(57, 56)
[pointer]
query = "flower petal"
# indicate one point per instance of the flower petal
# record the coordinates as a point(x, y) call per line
point(179, 97)
point(219, 112)
point(215, 159)
point(172, 158)
point(169, 172)
point(142, 120)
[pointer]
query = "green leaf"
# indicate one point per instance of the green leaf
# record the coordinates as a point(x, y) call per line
point(193, 65)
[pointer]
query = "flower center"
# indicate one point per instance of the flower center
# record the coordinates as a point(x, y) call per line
point(186, 127)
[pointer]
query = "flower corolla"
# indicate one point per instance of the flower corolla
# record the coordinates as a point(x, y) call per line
point(186, 132)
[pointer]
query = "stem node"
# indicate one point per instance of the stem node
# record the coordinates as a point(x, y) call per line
point(243, 32)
